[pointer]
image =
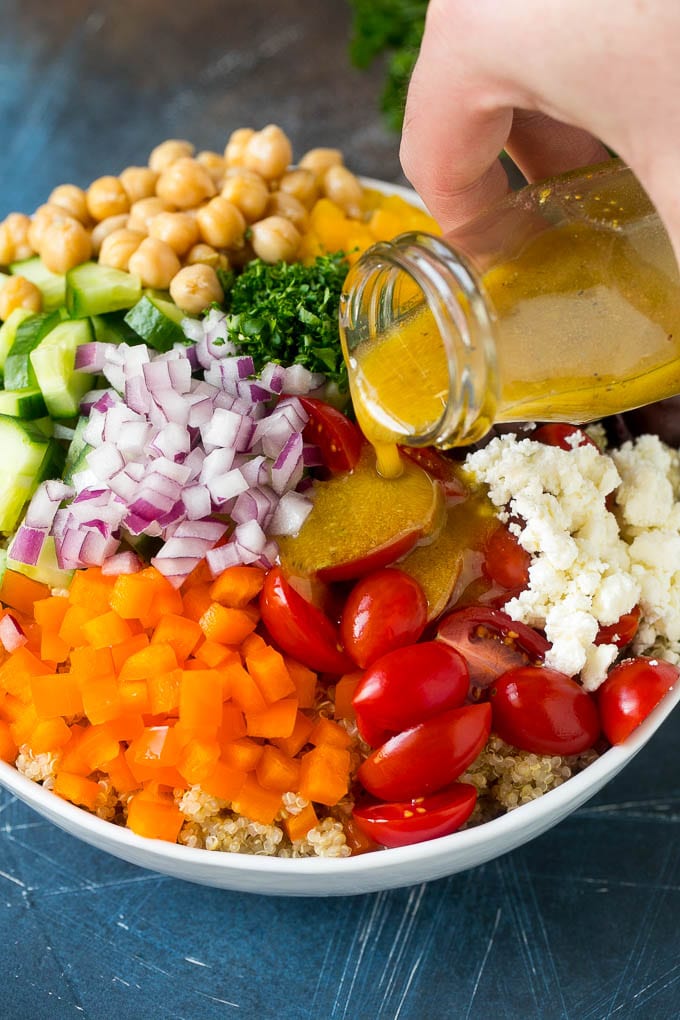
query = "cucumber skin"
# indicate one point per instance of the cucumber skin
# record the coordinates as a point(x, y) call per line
point(30, 333)
point(92, 289)
point(157, 322)
point(8, 333)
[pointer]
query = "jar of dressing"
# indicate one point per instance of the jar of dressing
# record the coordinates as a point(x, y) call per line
point(561, 303)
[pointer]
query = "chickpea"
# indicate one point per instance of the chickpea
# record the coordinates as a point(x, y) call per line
point(248, 191)
point(302, 184)
point(18, 292)
point(107, 197)
point(343, 188)
point(65, 244)
point(275, 239)
point(155, 263)
point(168, 152)
point(118, 246)
point(73, 200)
point(104, 228)
point(178, 229)
point(269, 152)
point(143, 211)
point(185, 184)
point(18, 226)
point(6, 246)
point(319, 160)
point(195, 287)
point(221, 223)
point(282, 204)
point(234, 151)
point(205, 255)
point(215, 164)
point(139, 182)
point(42, 218)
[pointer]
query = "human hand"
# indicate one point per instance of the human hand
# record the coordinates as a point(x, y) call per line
point(545, 80)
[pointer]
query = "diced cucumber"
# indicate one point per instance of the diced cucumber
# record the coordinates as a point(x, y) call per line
point(46, 570)
point(157, 321)
point(53, 362)
point(92, 289)
point(28, 457)
point(113, 329)
point(8, 332)
point(30, 333)
point(51, 285)
point(77, 452)
point(27, 403)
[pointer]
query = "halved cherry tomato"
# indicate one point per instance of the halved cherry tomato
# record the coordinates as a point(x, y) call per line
point(377, 558)
point(440, 467)
point(385, 610)
point(427, 757)
point(299, 628)
point(505, 561)
point(567, 437)
point(622, 632)
point(408, 686)
point(338, 438)
point(416, 820)
point(538, 709)
point(491, 643)
point(630, 692)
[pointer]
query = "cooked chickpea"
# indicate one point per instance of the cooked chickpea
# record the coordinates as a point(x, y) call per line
point(234, 151)
point(275, 239)
point(118, 246)
point(195, 287)
point(18, 226)
point(269, 152)
point(248, 191)
point(302, 184)
point(65, 244)
point(282, 204)
point(168, 152)
point(343, 188)
point(107, 197)
point(178, 229)
point(155, 263)
point(18, 292)
point(139, 182)
point(221, 223)
point(215, 164)
point(73, 200)
point(40, 221)
point(185, 184)
point(104, 228)
point(143, 211)
point(319, 160)
point(6, 246)
point(207, 256)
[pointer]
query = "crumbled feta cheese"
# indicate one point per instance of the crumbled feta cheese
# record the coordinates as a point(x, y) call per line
point(580, 575)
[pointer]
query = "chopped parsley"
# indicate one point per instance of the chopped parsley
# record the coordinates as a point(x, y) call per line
point(288, 313)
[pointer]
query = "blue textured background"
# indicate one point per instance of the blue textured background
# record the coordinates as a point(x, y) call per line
point(581, 924)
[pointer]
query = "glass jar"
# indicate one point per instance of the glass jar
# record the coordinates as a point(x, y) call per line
point(561, 303)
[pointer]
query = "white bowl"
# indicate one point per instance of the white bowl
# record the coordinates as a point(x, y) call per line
point(384, 869)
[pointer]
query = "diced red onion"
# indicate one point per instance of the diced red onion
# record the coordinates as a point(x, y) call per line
point(290, 514)
point(27, 544)
point(287, 469)
point(11, 634)
point(122, 563)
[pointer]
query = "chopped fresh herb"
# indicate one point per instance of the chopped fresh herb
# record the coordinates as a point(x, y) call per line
point(288, 313)
point(395, 27)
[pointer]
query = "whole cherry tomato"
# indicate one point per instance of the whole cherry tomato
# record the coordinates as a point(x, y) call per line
point(622, 632)
point(540, 710)
point(427, 757)
point(567, 437)
point(339, 439)
point(299, 628)
point(383, 611)
point(630, 692)
point(408, 686)
point(491, 643)
point(505, 561)
point(416, 820)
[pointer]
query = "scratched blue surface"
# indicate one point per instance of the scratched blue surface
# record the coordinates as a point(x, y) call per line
point(581, 924)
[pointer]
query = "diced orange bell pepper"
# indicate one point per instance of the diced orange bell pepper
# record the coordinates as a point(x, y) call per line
point(328, 732)
point(122, 652)
point(106, 630)
point(357, 840)
point(344, 692)
point(49, 615)
point(213, 654)
point(268, 670)
point(77, 789)
point(297, 826)
point(181, 634)
point(200, 701)
point(134, 696)
point(148, 662)
point(8, 749)
point(154, 815)
point(242, 754)
point(228, 626)
point(276, 771)
point(224, 782)
point(256, 803)
point(324, 774)
point(56, 694)
point(278, 720)
point(95, 748)
point(298, 738)
point(89, 662)
point(120, 775)
point(196, 601)
point(237, 586)
point(164, 692)
point(233, 725)
point(242, 688)
point(198, 759)
point(92, 589)
point(21, 592)
point(305, 681)
point(17, 670)
point(71, 630)
point(101, 699)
